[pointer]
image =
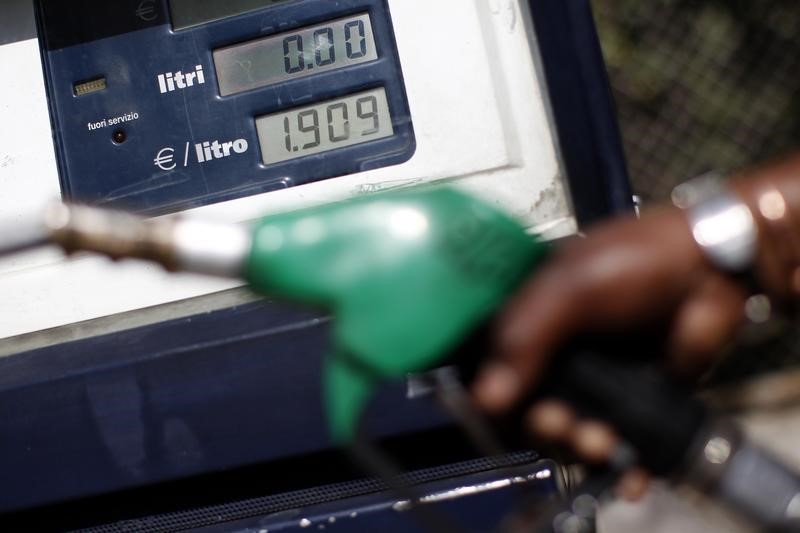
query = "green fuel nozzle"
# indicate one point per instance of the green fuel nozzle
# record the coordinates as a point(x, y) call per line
point(407, 275)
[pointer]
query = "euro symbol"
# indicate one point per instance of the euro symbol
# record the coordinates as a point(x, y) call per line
point(165, 159)
point(147, 10)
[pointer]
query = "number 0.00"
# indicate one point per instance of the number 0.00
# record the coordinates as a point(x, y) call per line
point(355, 39)
point(338, 121)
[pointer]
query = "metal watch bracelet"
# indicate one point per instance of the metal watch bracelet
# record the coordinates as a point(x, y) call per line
point(722, 225)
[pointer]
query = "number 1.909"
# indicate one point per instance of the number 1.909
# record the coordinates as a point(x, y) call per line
point(336, 123)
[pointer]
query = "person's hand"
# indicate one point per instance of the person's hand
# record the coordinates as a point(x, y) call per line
point(639, 275)
point(625, 275)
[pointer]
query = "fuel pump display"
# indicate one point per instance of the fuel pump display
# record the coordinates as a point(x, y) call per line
point(187, 13)
point(295, 54)
point(185, 104)
point(347, 121)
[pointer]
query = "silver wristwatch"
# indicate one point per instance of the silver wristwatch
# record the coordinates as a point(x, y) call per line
point(721, 223)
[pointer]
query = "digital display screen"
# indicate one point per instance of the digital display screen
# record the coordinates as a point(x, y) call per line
point(347, 121)
point(296, 54)
point(188, 13)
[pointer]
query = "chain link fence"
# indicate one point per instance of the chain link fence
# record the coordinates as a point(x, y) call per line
point(701, 84)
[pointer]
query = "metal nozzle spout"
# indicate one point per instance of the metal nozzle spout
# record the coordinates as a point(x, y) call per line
point(112, 233)
point(178, 244)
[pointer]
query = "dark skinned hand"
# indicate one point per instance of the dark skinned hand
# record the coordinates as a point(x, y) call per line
point(624, 275)
point(629, 275)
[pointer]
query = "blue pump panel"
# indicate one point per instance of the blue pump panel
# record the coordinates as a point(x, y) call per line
point(147, 117)
point(182, 414)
